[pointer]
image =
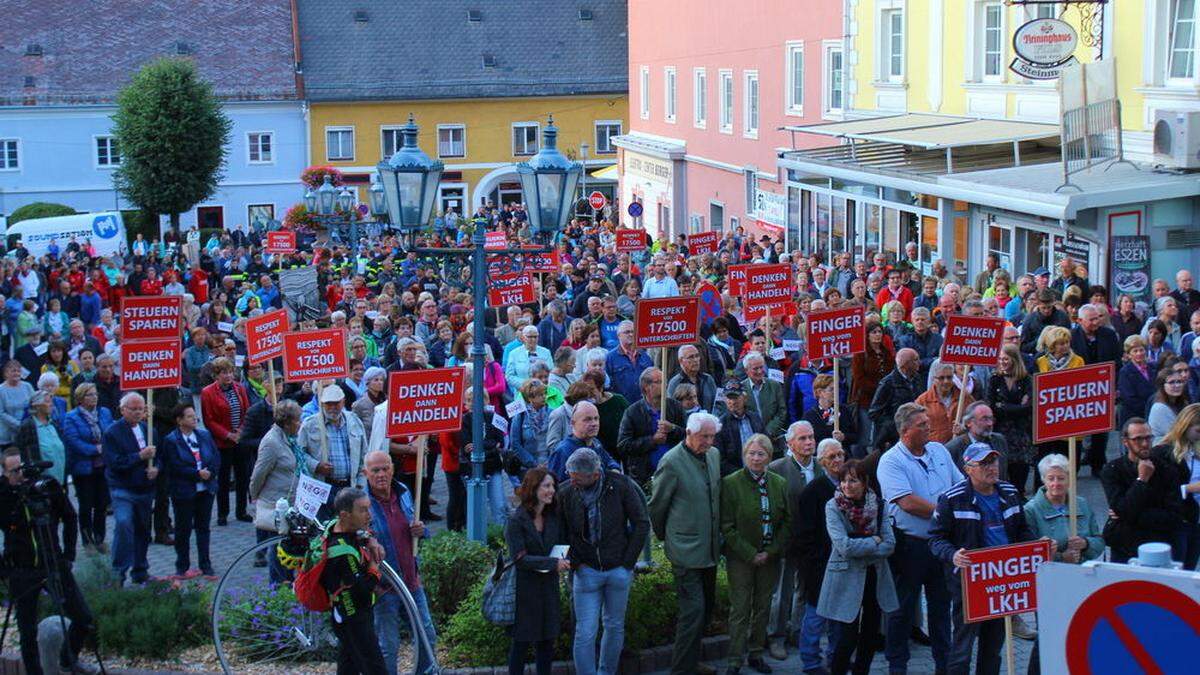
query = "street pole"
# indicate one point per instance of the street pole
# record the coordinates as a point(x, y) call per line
point(477, 486)
point(583, 193)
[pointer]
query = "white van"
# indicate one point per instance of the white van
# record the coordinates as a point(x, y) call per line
point(105, 229)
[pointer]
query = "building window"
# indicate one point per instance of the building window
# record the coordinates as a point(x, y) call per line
point(9, 154)
point(525, 138)
point(750, 105)
point(700, 98)
point(993, 41)
point(644, 91)
point(893, 45)
point(1045, 11)
point(669, 93)
point(751, 177)
point(795, 79)
point(339, 143)
point(605, 130)
point(833, 79)
point(452, 140)
point(107, 152)
point(1181, 59)
point(726, 92)
point(391, 139)
point(261, 147)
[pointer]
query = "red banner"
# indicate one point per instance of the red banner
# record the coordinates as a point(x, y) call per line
point(315, 355)
point(737, 279)
point(425, 401)
point(280, 242)
point(837, 332)
point(973, 340)
point(667, 322)
point(542, 262)
point(264, 336)
point(1074, 402)
point(513, 288)
point(151, 317)
point(1002, 580)
point(151, 364)
point(630, 241)
point(704, 242)
point(768, 287)
point(495, 240)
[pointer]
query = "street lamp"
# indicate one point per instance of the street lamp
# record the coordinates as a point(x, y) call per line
point(410, 180)
point(378, 201)
point(310, 201)
point(325, 197)
point(333, 209)
point(548, 181)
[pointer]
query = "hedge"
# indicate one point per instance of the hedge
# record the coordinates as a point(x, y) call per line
point(39, 210)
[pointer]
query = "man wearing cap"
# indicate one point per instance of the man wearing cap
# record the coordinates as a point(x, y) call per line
point(738, 424)
point(1046, 314)
point(336, 444)
point(979, 512)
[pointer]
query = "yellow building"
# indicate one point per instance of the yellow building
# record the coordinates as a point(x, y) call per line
point(480, 83)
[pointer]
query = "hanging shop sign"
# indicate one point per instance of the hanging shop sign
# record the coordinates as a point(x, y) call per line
point(1043, 48)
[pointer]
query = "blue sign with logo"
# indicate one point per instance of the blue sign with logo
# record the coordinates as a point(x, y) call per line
point(635, 209)
point(105, 226)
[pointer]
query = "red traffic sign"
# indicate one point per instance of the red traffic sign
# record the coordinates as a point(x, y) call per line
point(495, 240)
point(973, 340)
point(280, 242)
point(768, 288)
point(667, 322)
point(315, 355)
point(513, 288)
point(1002, 580)
point(1075, 402)
point(597, 200)
point(630, 241)
point(837, 332)
point(151, 317)
point(737, 279)
point(151, 364)
point(1157, 630)
point(425, 401)
point(264, 336)
point(703, 242)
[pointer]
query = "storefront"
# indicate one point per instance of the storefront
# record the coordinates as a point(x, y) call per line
point(654, 173)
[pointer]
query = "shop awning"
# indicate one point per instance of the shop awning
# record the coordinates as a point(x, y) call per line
point(607, 173)
point(932, 132)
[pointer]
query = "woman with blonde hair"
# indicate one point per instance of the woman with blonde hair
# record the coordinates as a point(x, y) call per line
point(1055, 346)
point(1135, 380)
point(1180, 450)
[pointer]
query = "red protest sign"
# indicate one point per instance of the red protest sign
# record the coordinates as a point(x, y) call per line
point(1075, 402)
point(704, 242)
point(667, 322)
point(1002, 580)
point(425, 401)
point(151, 364)
point(151, 317)
point(768, 287)
point(513, 288)
point(837, 332)
point(264, 336)
point(280, 242)
point(314, 355)
point(494, 240)
point(737, 279)
point(973, 340)
point(540, 263)
point(630, 241)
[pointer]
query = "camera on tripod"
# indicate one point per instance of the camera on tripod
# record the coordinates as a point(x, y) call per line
point(36, 490)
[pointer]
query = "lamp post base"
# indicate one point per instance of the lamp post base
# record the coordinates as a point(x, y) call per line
point(477, 508)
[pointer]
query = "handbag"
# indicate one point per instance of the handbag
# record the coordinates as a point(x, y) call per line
point(499, 604)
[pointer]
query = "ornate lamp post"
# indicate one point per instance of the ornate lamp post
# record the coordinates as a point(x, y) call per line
point(410, 180)
point(548, 181)
point(378, 200)
point(333, 208)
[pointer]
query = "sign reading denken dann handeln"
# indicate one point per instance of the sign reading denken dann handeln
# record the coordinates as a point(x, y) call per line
point(768, 288)
point(425, 401)
point(836, 333)
point(973, 340)
point(1074, 402)
point(151, 364)
point(1002, 580)
point(667, 322)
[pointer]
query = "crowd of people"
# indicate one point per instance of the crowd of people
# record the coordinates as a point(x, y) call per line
point(834, 506)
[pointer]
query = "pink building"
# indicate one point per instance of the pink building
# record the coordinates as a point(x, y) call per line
point(711, 83)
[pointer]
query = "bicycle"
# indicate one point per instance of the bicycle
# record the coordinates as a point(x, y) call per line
point(258, 626)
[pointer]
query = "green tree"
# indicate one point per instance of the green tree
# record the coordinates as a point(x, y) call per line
point(172, 135)
point(39, 210)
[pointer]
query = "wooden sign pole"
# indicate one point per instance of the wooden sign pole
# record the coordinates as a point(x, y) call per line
point(1008, 645)
point(837, 396)
point(962, 394)
point(420, 444)
point(150, 423)
point(271, 383)
point(1071, 488)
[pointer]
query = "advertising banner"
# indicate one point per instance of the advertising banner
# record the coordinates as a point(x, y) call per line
point(667, 322)
point(1002, 580)
point(513, 288)
point(264, 336)
point(973, 340)
point(151, 364)
point(1129, 266)
point(837, 333)
point(151, 317)
point(1075, 402)
point(425, 401)
point(314, 355)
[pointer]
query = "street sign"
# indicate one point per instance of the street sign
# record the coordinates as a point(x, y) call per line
point(597, 200)
point(634, 209)
point(703, 242)
point(667, 322)
point(1105, 618)
point(836, 333)
point(631, 240)
point(495, 240)
point(1002, 580)
point(151, 364)
point(264, 336)
point(973, 340)
point(710, 302)
point(280, 242)
point(151, 317)
point(314, 355)
point(425, 401)
point(1075, 402)
point(768, 288)
point(512, 288)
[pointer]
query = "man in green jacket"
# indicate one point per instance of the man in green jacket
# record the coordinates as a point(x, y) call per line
point(685, 514)
point(765, 397)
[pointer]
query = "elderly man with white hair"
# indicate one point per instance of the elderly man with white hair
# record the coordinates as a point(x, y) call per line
point(691, 372)
point(131, 467)
point(1096, 343)
point(518, 362)
point(765, 396)
point(685, 512)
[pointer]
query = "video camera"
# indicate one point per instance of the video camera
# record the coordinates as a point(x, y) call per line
point(36, 490)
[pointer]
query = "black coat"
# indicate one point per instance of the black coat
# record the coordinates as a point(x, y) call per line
point(1031, 327)
point(822, 429)
point(1013, 409)
point(729, 439)
point(635, 441)
point(255, 424)
point(1146, 511)
point(1183, 476)
point(1107, 345)
point(537, 575)
point(894, 391)
point(624, 524)
point(810, 539)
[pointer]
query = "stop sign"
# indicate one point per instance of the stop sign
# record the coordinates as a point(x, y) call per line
point(597, 200)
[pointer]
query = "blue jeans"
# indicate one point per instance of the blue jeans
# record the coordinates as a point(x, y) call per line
point(497, 502)
point(388, 616)
point(131, 533)
point(914, 568)
point(811, 628)
point(599, 594)
point(277, 572)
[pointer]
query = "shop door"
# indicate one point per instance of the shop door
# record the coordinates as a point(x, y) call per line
point(1032, 250)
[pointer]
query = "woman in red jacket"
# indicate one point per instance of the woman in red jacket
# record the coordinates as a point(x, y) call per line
point(225, 403)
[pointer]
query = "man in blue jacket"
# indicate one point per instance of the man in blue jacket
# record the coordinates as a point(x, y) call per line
point(131, 469)
point(585, 427)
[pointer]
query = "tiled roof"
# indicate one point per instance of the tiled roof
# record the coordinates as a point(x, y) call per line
point(92, 48)
point(431, 49)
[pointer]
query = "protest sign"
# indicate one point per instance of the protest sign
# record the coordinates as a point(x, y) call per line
point(1074, 402)
point(703, 242)
point(547, 262)
point(314, 355)
point(512, 288)
point(737, 279)
point(667, 322)
point(151, 364)
point(425, 401)
point(311, 495)
point(836, 333)
point(264, 336)
point(631, 241)
point(280, 242)
point(973, 340)
point(151, 317)
point(768, 288)
point(1002, 580)
point(495, 240)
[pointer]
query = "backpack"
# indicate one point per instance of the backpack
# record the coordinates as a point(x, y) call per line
point(307, 587)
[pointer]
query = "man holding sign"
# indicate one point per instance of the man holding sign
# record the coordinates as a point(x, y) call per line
point(340, 456)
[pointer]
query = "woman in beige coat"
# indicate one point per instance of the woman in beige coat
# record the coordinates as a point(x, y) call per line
point(274, 476)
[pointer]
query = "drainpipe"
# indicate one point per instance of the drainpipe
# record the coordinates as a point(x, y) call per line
point(847, 47)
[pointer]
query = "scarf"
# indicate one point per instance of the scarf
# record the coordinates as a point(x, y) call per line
point(1058, 363)
point(93, 419)
point(591, 504)
point(861, 513)
point(298, 453)
point(764, 505)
